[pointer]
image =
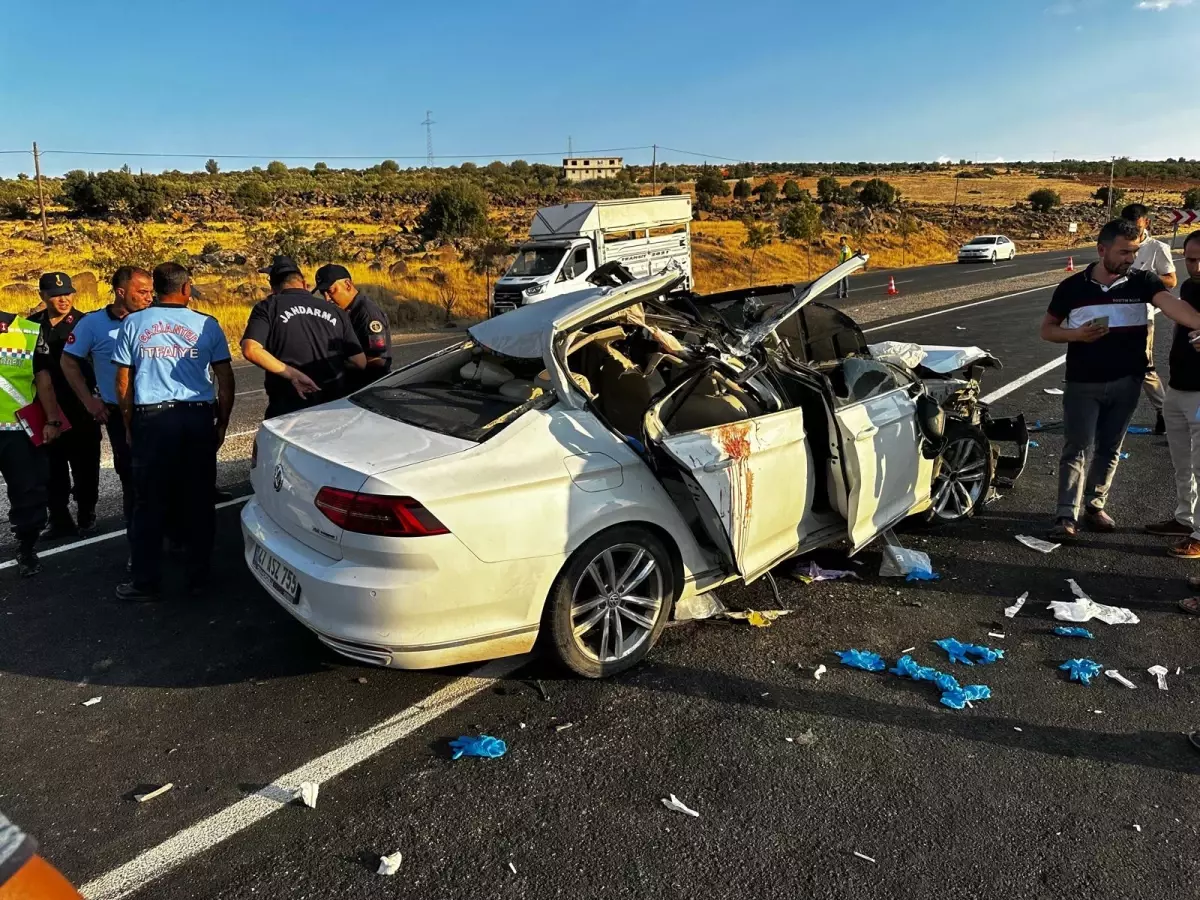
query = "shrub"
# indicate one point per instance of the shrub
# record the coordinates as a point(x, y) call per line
point(130, 246)
point(704, 201)
point(670, 190)
point(878, 193)
point(1044, 200)
point(276, 168)
point(390, 166)
point(251, 195)
point(1118, 194)
point(767, 191)
point(119, 194)
point(791, 190)
point(457, 210)
point(1191, 199)
point(741, 190)
point(828, 189)
point(320, 168)
point(801, 222)
point(713, 185)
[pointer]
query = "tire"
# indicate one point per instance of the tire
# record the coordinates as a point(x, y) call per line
point(624, 625)
point(962, 474)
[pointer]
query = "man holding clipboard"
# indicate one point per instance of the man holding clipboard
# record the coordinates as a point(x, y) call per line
point(1102, 315)
point(26, 396)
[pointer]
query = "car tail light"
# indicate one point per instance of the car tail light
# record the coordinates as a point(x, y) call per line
point(380, 514)
point(254, 454)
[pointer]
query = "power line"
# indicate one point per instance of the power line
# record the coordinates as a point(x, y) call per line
point(281, 157)
point(702, 155)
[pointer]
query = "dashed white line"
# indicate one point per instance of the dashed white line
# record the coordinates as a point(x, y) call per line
point(207, 833)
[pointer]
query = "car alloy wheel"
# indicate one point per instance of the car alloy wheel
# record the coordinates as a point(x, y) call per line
point(962, 477)
point(615, 602)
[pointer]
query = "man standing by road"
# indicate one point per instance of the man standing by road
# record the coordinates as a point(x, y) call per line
point(90, 347)
point(163, 356)
point(303, 343)
point(75, 456)
point(24, 377)
point(1153, 256)
point(844, 253)
point(1102, 314)
point(370, 324)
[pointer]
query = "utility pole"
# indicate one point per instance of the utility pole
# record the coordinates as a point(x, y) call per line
point(1111, 169)
point(570, 149)
point(37, 168)
point(428, 123)
point(654, 171)
point(954, 212)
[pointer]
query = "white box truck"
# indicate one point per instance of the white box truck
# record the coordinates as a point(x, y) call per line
point(568, 242)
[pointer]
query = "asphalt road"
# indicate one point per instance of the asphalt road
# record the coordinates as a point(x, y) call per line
point(1049, 789)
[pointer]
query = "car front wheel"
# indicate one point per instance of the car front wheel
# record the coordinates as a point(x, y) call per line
point(610, 603)
point(963, 474)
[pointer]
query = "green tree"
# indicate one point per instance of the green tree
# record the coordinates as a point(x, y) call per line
point(758, 235)
point(713, 185)
point(741, 190)
point(1191, 198)
point(520, 168)
point(389, 166)
point(320, 168)
point(704, 201)
point(828, 189)
point(802, 222)
point(275, 168)
point(1101, 194)
point(767, 191)
point(670, 190)
point(1044, 200)
point(212, 167)
point(791, 190)
point(457, 210)
point(878, 193)
point(252, 195)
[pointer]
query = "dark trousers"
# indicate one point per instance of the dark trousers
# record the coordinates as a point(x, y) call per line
point(122, 460)
point(174, 467)
point(25, 470)
point(1095, 418)
point(74, 468)
point(843, 288)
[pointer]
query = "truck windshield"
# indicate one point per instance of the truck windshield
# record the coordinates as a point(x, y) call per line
point(537, 261)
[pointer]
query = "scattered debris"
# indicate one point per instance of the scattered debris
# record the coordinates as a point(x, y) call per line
point(912, 565)
point(699, 606)
point(862, 659)
point(512, 867)
point(908, 649)
point(1124, 454)
point(1137, 828)
point(953, 695)
point(1015, 728)
point(996, 634)
point(308, 793)
point(1084, 608)
point(482, 745)
point(864, 856)
point(916, 603)
point(1118, 677)
point(541, 689)
point(807, 739)
point(561, 728)
point(676, 805)
point(1179, 670)
point(1074, 631)
point(157, 792)
point(758, 618)
point(361, 680)
point(390, 864)
point(1139, 429)
point(815, 573)
point(821, 670)
point(1053, 392)
point(1034, 445)
point(522, 724)
point(92, 702)
point(1081, 670)
point(1037, 544)
point(1011, 611)
point(1160, 675)
point(962, 653)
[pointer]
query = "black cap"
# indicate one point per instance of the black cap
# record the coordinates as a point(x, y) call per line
point(327, 275)
point(55, 284)
point(280, 266)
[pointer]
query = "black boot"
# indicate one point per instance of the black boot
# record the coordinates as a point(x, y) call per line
point(61, 526)
point(1160, 424)
point(87, 520)
point(27, 561)
point(134, 594)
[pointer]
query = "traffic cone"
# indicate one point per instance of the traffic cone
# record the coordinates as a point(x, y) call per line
point(892, 292)
point(1070, 264)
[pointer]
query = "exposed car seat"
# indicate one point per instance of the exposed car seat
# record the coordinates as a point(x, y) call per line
point(712, 403)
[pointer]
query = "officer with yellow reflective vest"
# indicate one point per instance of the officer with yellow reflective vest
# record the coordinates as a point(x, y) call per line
point(844, 253)
point(25, 378)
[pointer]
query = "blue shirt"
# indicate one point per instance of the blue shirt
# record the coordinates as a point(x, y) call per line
point(170, 349)
point(95, 338)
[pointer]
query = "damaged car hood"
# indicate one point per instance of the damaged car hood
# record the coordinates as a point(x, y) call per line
point(936, 358)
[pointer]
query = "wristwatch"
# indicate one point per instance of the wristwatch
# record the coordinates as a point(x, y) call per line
point(55, 422)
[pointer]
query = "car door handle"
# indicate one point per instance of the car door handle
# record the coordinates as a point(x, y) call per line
point(718, 465)
point(867, 433)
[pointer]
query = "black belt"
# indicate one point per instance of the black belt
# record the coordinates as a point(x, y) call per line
point(174, 404)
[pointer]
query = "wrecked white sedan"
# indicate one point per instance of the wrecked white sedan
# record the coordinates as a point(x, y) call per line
point(580, 466)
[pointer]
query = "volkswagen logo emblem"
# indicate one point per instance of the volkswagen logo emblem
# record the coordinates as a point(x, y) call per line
point(277, 480)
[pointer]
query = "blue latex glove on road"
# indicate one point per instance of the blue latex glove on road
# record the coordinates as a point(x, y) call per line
point(953, 695)
point(862, 659)
point(484, 745)
point(1139, 429)
point(1082, 670)
point(959, 698)
point(962, 653)
point(922, 575)
point(1074, 631)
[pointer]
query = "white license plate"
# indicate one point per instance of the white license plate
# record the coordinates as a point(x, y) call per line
point(282, 578)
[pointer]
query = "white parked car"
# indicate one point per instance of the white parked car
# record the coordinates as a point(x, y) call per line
point(987, 248)
point(581, 465)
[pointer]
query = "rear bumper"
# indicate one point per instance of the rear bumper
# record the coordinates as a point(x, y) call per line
point(436, 606)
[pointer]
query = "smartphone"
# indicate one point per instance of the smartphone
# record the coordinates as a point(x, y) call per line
point(1099, 322)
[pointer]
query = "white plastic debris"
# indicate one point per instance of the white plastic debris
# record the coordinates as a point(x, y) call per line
point(1037, 544)
point(1053, 392)
point(1084, 608)
point(908, 649)
point(805, 739)
point(93, 701)
point(699, 606)
point(390, 864)
point(995, 634)
point(157, 792)
point(863, 856)
point(1160, 675)
point(512, 867)
point(676, 805)
point(1117, 676)
point(821, 670)
point(1015, 728)
point(899, 562)
point(1137, 828)
point(308, 793)
point(564, 727)
point(1011, 611)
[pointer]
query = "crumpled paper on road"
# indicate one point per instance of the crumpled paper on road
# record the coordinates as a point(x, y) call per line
point(676, 805)
point(1011, 611)
point(815, 573)
point(758, 618)
point(699, 606)
point(1037, 544)
point(1084, 608)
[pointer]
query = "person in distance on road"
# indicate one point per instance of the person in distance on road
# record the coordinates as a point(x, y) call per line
point(1153, 256)
point(370, 324)
point(1101, 314)
point(75, 457)
point(304, 343)
point(844, 253)
point(176, 424)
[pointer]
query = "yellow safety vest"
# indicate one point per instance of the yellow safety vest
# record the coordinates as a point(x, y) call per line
point(18, 343)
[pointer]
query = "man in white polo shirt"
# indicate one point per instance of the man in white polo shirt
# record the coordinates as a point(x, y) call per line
point(1153, 256)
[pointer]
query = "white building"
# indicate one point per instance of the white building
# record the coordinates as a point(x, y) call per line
point(586, 168)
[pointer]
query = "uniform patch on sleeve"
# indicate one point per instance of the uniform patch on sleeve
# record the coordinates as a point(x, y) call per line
point(376, 326)
point(377, 342)
point(71, 338)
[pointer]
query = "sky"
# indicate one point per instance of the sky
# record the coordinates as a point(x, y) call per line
point(875, 80)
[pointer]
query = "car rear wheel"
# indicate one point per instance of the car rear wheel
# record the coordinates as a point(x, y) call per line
point(611, 602)
point(963, 475)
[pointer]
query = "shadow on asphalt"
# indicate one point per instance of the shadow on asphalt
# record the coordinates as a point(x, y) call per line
point(1148, 749)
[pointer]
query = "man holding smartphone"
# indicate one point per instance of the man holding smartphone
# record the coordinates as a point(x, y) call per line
point(1101, 313)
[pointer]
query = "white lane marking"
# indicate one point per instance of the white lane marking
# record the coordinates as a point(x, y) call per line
point(244, 393)
point(107, 536)
point(942, 312)
point(1024, 380)
point(207, 833)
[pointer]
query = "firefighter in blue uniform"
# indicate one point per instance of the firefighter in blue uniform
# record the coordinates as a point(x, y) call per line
point(176, 422)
